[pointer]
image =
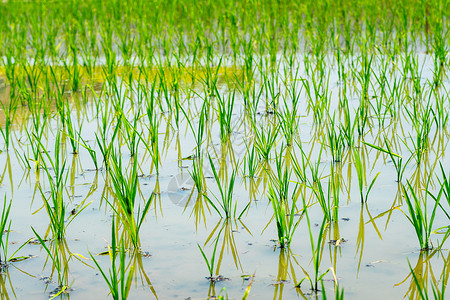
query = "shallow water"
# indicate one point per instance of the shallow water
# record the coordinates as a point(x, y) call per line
point(371, 262)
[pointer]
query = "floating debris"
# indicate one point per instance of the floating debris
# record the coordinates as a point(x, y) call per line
point(372, 264)
point(247, 277)
point(219, 278)
point(58, 291)
point(21, 258)
point(46, 280)
point(145, 254)
point(337, 242)
point(280, 282)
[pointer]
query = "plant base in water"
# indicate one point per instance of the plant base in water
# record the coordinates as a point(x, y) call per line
point(59, 291)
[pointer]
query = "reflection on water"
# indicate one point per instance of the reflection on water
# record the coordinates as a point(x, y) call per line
point(422, 279)
point(166, 120)
point(287, 263)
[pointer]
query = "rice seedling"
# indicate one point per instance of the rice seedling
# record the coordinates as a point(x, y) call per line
point(334, 191)
point(251, 162)
point(318, 99)
point(119, 278)
point(328, 198)
point(91, 151)
point(383, 82)
point(339, 293)
point(226, 195)
point(264, 140)
point(347, 129)
point(23, 159)
point(284, 219)
point(211, 75)
point(440, 114)
point(418, 214)
point(72, 132)
point(270, 80)
point(197, 174)
point(54, 204)
point(210, 263)
point(34, 148)
point(152, 145)
point(325, 72)
point(316, 254)
point(130, 132)
point(250, 96)
point(300, 167)
point(445, 186)
point(89, 61)
point(200, 133)
point(125, 188)
point(396, 159)
point(315, 168)
point(4, 227)
point(10, 65)
point(420, 143)
point(106, 145)
point(363, 77)
point(323, 199)
point(9, 111)
point(361, 172)
point(283, 212)
point(288, 122)
point(335, 141)
point(362, 118)
point(60, 263)
point(224, 114)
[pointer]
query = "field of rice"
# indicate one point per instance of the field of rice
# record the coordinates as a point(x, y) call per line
point(224, 149)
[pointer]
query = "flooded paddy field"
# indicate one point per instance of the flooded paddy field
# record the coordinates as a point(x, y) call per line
point(201, 151)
